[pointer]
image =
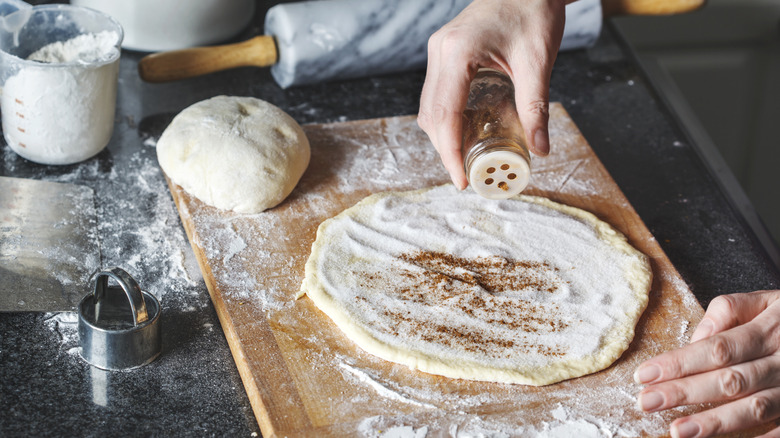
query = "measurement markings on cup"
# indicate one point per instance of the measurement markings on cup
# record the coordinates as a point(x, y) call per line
point(20, 114)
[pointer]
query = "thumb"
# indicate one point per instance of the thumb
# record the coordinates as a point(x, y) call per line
point(729, 311)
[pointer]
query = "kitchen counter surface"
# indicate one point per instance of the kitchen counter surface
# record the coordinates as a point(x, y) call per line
point(194, 388)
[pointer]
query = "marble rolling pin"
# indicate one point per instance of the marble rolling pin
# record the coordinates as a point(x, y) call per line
point(316, 41)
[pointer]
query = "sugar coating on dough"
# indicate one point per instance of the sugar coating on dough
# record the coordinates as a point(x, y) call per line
point(234, 153)
point(523, 290)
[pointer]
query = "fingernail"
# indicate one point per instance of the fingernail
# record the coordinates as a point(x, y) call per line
point(647, 373)
point(705, 329)
point(541, 142)
point(688, 429)
point(651, 401)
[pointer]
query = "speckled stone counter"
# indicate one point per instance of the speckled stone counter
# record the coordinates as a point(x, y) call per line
point(194, 388)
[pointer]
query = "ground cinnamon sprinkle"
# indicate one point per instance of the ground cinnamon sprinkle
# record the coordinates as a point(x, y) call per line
point(485, 289)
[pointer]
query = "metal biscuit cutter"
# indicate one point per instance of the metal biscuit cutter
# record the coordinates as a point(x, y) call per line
point(119, 326)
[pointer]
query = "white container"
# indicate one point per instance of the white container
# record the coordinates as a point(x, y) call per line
point(58, 111)
point(158, 25)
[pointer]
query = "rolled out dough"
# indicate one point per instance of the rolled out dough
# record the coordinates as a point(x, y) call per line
point(522, 290)
point(234, 153)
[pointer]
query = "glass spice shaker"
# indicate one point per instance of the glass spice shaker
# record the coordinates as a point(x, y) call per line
point(495, 153)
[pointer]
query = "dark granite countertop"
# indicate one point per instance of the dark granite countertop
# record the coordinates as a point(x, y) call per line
point(194, 388)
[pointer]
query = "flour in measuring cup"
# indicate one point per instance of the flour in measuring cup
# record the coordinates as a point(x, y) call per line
point(60, 109)
point(86, 48)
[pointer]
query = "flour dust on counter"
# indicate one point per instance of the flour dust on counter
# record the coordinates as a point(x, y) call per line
point(225, 241)
point(143, 237)
point(66, 326)
point(580, 414)
point(150, 239)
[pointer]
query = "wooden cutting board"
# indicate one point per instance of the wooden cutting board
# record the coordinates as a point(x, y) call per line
point(304, 378)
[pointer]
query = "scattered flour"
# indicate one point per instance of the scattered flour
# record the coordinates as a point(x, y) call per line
point(66, 325)
point(363, 376)
point(139, 231)
point(145, 237)
point(683, 336)
point(367, 428)
point(236, 245)
point(579, 428)
point(405, 432)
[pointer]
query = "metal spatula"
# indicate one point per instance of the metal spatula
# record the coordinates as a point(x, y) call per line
point(48, 244)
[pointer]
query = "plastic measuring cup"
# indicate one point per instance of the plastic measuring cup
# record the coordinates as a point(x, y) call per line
point(57, 112)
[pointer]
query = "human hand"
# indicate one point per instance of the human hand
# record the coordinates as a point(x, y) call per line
point(519, 38)
point(734, 355)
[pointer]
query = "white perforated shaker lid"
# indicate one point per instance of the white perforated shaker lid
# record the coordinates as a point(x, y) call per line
point(499, 174)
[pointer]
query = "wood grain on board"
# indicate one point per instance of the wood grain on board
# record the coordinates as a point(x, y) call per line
point(304, 378)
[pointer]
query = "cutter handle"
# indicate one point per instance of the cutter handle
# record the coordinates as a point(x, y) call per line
point(130, 287)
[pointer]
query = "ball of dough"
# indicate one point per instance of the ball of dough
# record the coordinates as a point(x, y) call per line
point(234, 153)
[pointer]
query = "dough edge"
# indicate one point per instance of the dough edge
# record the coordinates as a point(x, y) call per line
point(614, 342)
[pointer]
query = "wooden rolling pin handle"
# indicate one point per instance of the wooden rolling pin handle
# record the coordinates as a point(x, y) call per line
point(649, 7)
point(259, 51)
